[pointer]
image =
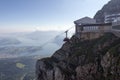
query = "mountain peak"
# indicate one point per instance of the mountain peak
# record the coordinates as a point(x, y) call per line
point(112, 7)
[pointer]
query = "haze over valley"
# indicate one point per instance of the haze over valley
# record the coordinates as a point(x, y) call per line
point(38, 43)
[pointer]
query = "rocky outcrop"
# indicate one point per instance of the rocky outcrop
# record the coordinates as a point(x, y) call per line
point(112, 7)
point(97, 59)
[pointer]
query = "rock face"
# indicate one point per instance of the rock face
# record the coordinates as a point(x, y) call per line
point(97, 59)
point(112, 7)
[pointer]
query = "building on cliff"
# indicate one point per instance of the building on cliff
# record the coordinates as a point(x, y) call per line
point(87, 28)
point(109, 18)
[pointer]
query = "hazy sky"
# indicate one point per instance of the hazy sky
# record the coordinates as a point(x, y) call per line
point(27, 15)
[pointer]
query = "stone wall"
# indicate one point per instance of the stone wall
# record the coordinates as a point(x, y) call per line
point(90, 35)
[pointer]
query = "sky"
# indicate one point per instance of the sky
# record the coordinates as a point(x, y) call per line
point(44, 15)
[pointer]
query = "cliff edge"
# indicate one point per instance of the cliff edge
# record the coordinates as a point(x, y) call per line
point(97, 59)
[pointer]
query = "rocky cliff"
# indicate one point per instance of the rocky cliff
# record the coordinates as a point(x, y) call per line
point(111, 7)
point(97, 59)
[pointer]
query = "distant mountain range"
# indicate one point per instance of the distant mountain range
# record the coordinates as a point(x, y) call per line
point(27, 44)
point(8, 41)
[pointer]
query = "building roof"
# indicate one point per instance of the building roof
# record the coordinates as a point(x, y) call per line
point(85, 20)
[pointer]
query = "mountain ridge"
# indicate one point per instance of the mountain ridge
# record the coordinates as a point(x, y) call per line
point(86, 60)
point(112, 7)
